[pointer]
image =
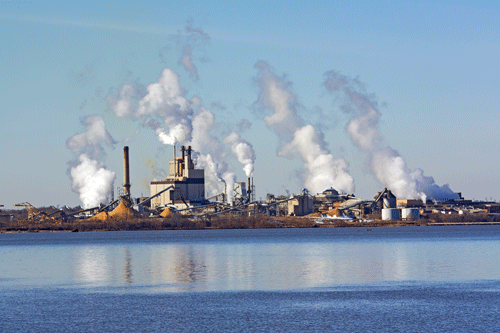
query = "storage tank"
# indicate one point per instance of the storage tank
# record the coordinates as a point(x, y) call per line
point(410, 213)
point(391, 214)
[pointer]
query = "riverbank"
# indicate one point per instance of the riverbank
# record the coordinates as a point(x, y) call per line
point(248, 222)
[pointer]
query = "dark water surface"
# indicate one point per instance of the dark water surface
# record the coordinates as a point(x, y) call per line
point(407, 279)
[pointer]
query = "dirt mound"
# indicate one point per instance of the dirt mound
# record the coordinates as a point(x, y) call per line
point(122, 212)
point(317, 214)
point(102, 216)
point(166, 213)
point(335, 212)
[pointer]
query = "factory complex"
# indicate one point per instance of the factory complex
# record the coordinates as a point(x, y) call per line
point(182, 193)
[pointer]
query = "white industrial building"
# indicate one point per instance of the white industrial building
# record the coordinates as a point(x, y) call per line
point(187, 183)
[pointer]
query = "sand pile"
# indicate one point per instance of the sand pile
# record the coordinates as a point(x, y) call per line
point(317, 214)
point(102, 216)
point(120, 212)
point(335, 212)
point(166, 213)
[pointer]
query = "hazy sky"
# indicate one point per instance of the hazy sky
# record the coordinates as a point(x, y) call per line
point(432, 68)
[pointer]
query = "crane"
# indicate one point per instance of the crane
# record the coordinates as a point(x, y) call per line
point(33, 213)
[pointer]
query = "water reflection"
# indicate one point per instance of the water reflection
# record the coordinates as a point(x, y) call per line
point(254, 265)
point(400, 262)
point(93, 265)
point(128, 267)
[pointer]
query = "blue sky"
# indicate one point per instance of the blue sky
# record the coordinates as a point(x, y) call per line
point(432, 66)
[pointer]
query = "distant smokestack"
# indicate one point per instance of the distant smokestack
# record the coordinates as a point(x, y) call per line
point(126, 172)
point(175, 164)
point(253, 190)
point(188, 159)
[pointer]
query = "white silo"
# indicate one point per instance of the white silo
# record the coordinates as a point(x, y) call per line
point(391, 214)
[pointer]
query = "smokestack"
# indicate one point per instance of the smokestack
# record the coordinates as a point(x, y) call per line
point(175, 164)
point(253, 190)
point(126, 172)
point(187, 159)
point(249, 190)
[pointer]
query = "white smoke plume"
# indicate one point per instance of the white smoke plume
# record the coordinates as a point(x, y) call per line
point(387, 165)
point(229, 179)
point(126, 101)
point(218, 174)
point(92, 181)
point(91, 140)
point(161, 101)
point(176, 134)
point(202, 140)
point(321, 169)
point(218, 177)
point(274, 95)
point(89, 176)
point(165, 100)
point(243, 151)
point(433, 191)
point(187, 62)
point(191, 39)
point(213, 183)
point(391, 170)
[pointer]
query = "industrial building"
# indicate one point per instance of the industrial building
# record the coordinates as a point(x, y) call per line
point(187, 183)
point(183, 192)
point(300, 205)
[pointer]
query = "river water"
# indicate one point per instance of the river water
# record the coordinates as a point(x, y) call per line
point(405, 279)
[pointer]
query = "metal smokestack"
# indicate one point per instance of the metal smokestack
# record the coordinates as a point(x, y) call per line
point(189, 150)
point(253, 190)
point(249, 191)
point(126, 172)
point(175, 164)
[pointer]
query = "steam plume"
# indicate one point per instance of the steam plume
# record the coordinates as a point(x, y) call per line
point(161, 101)
point(243, 151)
point(165, 100)
point(91, 140)
point(218, 174)
point(431, 189)
point(92, 181)
point(322, 170)
point(126, 101)
point(89, 176)
point(187, 62)
point(387, 165)
point(192, 38)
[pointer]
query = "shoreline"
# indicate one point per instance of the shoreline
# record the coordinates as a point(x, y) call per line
point(253, 222)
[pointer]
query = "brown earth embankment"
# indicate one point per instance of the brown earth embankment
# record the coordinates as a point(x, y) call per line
point(177, 222)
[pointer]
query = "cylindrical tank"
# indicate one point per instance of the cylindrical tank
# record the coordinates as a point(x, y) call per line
point(410, 213)
point(391, 214)
point(390, 202)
